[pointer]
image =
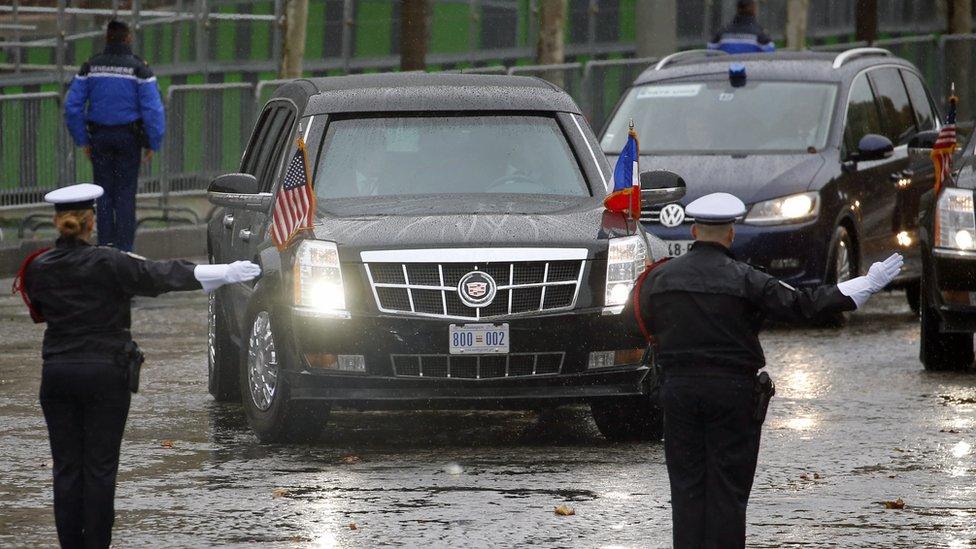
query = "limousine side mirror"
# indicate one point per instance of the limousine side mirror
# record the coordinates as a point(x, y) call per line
point(661, 187)
point(873, 147)
point(920, 146)
point(238, 190)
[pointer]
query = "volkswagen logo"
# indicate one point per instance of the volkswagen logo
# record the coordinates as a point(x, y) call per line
point(477, 289)
point(672, 215)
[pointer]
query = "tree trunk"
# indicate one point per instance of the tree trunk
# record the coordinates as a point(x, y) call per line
point(866, 24)
point(293, 38)
point(551, 49)
point(958, 56)
point(796, 24)
point(414, 15)
point(657, 27)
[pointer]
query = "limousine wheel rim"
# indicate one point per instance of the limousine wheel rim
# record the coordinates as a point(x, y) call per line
point(843, 261)
point(211, 334)
point(262, 363)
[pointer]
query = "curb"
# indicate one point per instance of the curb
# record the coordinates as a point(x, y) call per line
point(168, 243)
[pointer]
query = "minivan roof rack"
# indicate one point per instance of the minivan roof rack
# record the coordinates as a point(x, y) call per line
point(850, 55)
point(675, 57)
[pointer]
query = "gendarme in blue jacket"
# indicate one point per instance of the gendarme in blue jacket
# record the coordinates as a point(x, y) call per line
point(115, 88)
point(742, 35)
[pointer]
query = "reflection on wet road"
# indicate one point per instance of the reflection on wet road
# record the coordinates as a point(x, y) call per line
point(856, 422)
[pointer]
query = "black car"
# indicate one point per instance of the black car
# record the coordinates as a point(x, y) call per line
point(815, 144)
point(461, 257)
point(948, 237)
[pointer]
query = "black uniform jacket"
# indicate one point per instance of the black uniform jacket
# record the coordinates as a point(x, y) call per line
point(84, 292)
point(705, 310)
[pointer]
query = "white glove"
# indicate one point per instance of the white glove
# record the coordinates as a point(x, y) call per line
point(212, 277)
point(879, 276)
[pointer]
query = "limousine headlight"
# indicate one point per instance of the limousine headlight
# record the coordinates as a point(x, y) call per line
point(318, 277)
point(625, 262)
point(955, 222)
point(794, 208)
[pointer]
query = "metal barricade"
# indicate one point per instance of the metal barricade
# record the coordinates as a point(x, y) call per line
point(265, 89)
point(207, 127)
point(568, 76)
point(33, 147)
point(605, 81)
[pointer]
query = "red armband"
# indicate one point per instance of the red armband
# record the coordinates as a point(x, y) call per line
point(20, 285)
point(638, 314)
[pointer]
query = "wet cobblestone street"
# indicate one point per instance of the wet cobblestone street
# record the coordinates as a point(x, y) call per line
point(856, 422)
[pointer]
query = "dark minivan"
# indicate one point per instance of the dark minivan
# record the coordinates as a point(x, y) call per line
point(460, 258)
point(815, 144)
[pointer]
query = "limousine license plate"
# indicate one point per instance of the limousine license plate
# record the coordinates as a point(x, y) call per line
point(478, 339)
point(678, 247)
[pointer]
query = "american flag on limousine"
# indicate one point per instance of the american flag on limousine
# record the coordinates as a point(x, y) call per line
point(294, 207)
point(945, 145)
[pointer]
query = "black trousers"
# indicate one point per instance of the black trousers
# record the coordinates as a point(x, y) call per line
point(85, 405)
point(711, 443)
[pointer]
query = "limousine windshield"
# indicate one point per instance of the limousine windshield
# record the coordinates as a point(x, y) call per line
point(423, 155)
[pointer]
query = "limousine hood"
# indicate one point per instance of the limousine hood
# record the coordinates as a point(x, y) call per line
point(752, 178)
point(448, 221)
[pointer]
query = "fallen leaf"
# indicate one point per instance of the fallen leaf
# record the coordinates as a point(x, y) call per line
point(817, 476)
point(350, 459)
point(892, 476)
point(950, 431)
point(352, 526)
point(565, 511)
point(897, 504)
point(279, 493)
point(899, 450)
point(47, 464)
point(166, 443)
point(804, 476)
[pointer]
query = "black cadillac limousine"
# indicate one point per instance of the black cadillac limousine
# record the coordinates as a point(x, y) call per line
point(460, 258)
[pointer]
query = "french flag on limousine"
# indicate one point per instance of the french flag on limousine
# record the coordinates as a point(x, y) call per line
point(626, 196)
point(294, 207)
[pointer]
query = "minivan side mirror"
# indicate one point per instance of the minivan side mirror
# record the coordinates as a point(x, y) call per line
point(661, 187)
point(873, 147)
point(920, 146)
point(238, 190)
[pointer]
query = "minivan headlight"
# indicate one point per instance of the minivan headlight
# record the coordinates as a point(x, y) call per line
point(955, 221)
point(625, 262)
point(794, 208)
point(318, 277)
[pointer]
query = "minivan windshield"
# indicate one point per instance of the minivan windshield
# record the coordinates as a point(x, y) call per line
point(438, 155)
point(714, 117)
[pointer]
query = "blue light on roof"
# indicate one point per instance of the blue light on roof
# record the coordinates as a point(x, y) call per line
point(737, 75)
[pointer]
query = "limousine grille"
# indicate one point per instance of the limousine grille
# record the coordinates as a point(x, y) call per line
point(477, 366)
point(431, 289)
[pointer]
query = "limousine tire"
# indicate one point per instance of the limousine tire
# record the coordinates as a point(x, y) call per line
point(940, 351)
point(265, 393)
point(629, 419)
point(222, 358)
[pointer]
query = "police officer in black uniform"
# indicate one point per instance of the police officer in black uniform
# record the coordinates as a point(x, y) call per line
point(705, 310)
point(83, 292)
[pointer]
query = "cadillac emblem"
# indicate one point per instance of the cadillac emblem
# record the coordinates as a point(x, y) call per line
point(477, 289)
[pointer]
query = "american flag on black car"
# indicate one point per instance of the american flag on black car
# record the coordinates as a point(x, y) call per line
point(945, 145)
point(294, 207)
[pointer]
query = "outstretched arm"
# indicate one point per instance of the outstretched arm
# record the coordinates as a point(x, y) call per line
point(138, 276)
point(783, 302)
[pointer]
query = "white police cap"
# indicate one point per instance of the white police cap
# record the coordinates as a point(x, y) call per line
point(716, 209)
point(74, 197)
